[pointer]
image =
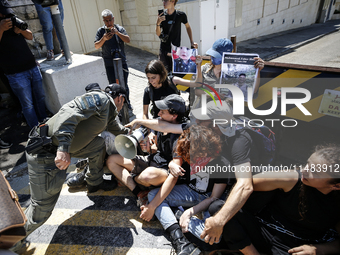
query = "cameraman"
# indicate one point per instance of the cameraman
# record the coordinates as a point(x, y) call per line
point(111, 38)
point(18, 64)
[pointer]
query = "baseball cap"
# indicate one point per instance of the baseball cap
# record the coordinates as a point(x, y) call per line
point(217, 111)
point(92, 86)
point(172, 101)
point(220, 46)
point(116, 90)
point(5, 8)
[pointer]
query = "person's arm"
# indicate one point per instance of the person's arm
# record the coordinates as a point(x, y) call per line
point(315, 249)
point(237, 198)
point(259, 63)
point(156, 124)
point(202, 206)
point(5, 25)
point(160, 19)
point(193, 44)
point(123, 36)
point(268, 181)
point(149, 210)
point(146, 112)
point(107, 36)
point(27, 34)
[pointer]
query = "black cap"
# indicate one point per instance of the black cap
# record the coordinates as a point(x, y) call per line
point(172, 101)
point(116, 90)
point(5, 8)
point(92, 86)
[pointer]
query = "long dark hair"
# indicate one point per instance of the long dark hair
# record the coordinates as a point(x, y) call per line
point(331, 156)
point(156, 67)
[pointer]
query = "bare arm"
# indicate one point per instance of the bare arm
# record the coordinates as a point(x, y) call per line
point(237, 198)
point(149, 210)
point(100, 43)
point(160, 19)
point(145, 111)
point(268, 181)
point(27, 34)
point(5, 25)
point(123, 37)
point(202, 206)
point(193, 44)
point(259, 63)
point(156, 124)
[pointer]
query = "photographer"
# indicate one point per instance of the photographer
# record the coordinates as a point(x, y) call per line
point(19, 65)
point(168, 29)
point(111, 38)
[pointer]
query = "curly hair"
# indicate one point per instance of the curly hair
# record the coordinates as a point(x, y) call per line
point(331, 156)
point(198, 141)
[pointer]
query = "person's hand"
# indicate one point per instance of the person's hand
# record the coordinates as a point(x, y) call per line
point(175, 169)
point(108, 36)
point(147, 212)
point(17, 30)
point(185, 219)
point(212, 230)
point(62, 160)
point(199, 60)
point(6, 24)
point(160, 18)
point(303, 250)
point(259, 63)
point(114, 30)
point(194, 45)
point(133, 124)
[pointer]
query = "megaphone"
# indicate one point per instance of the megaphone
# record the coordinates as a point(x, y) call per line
point(126, 145)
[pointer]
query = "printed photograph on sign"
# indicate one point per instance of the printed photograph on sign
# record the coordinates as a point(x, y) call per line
point(238, 70)
point(183, 60)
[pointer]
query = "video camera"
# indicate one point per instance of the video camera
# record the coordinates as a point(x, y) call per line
point(16, 21)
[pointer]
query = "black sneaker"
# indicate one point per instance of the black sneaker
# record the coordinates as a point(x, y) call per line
point(105, 185)
point(82, 163)
point(4, 145)
point(77, 180)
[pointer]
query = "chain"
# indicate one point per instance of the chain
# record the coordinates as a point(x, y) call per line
point(139, 76)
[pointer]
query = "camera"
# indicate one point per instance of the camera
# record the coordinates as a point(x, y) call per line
point(115, 53)
point(16, 21)
point(163, 37)
point(107, 30)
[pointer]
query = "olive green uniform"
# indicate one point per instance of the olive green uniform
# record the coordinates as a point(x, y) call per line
point(74, 129)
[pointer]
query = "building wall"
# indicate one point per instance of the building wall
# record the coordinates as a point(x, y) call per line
point(252, 18)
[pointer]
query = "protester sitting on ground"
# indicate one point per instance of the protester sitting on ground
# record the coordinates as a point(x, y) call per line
point(198, 148)
point(238, 147)
point(303, 216)
point(151, 170)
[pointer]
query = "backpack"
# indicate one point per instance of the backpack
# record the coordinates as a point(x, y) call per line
point(263, 137)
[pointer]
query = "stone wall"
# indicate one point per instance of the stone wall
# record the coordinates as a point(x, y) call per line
point(139, 19)
point(26, 11)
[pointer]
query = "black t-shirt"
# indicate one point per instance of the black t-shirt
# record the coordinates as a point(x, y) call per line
point(15, 55)
point(115, 44)
point(322, 212)
point(175, 33)
point(158, 94)
point(203, 181)
point(240, 149)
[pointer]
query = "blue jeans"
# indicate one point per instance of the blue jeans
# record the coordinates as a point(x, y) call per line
point(27, 86)
point(181, 195)
point(45, 17)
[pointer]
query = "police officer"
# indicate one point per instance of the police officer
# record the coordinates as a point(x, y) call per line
point(74, 132)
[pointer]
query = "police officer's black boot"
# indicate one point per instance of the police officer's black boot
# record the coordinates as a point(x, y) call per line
point(181, 244)
point(78, 179)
